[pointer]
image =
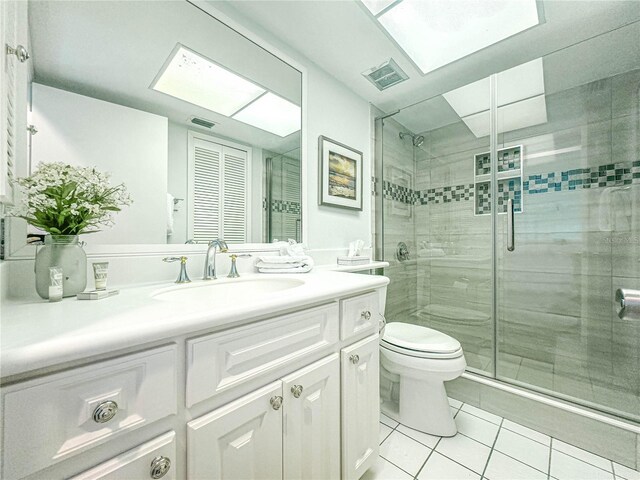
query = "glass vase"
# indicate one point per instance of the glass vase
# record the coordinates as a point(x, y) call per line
point(63, 251)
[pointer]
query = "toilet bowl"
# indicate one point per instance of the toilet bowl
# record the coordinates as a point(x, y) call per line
point(415, 363)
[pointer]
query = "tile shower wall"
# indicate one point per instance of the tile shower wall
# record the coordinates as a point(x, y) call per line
point(578, 239)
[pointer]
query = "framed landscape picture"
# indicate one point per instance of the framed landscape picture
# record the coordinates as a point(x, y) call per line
point(340, 175)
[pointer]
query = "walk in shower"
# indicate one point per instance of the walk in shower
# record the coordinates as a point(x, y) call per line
point(556, 141)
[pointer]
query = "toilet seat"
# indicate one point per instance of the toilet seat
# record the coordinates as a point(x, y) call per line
point(421, 342)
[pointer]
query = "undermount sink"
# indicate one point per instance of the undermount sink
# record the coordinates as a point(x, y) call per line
point(225, 292)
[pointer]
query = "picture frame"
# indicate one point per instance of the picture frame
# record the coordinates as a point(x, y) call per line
point(340, 175)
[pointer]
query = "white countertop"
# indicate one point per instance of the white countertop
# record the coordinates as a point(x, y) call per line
point(40, 335)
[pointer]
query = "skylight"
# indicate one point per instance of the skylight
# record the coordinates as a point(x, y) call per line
point(195, 79)
point(434, 33)
point(271, 113)
point(521, 100)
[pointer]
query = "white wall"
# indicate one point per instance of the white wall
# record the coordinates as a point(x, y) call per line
point(128, 143)
point(332, 110)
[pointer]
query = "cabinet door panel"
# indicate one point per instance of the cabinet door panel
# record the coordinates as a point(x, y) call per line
point(241, 440)
point(312, 421)
point(360, 406)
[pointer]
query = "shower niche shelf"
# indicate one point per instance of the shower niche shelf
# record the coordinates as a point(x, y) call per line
point(509, 177)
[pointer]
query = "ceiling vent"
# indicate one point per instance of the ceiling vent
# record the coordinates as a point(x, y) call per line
point(386, 75)
point(201, 122)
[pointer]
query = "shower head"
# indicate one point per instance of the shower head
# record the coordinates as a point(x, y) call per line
point(416, 140)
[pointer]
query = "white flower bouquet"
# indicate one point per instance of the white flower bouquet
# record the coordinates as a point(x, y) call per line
point(65, 200)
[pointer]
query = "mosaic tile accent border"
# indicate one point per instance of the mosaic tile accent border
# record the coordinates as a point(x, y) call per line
point(610, 175)
point(456, 193)
point(281, 206)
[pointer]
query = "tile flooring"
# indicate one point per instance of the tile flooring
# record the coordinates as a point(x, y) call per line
point(487, 447)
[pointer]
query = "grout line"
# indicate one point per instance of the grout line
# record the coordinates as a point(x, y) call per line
point(527, 437)
point(484, 470)
point(397, 466)
point(488, 421)
point(585, 461)
point(550, 453)
point(428, 457)
point(456, 461)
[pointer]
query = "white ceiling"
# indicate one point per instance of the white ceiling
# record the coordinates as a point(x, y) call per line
point(114, 50)
point(344, 39)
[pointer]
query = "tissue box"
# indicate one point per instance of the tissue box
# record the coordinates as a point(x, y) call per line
point(353, 260)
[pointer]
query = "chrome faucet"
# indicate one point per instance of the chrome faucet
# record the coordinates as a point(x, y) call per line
point(209, 267)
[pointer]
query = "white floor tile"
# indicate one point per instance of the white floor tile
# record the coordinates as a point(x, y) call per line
point(404, 452)
point(523, 449)
point(424, 438)
point(527, 432)
point(388, 421)
point(625, 472)
point(477, 428)
point(502, 467)
point(454, 411)
point(465, 451)
point(384, 432)
point(583, 455)
point(565, 467)
point(455, 403)
point(383, 470)
point(481, 413)
point(439, 467)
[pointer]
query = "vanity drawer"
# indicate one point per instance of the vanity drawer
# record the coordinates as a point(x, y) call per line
point(154, 459)
point(52, 418)
point(359, 315)
point(221, 361)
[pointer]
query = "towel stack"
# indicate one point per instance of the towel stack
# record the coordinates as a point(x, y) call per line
point(291, 260)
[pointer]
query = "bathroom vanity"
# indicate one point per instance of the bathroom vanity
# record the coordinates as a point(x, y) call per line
point(255, 377)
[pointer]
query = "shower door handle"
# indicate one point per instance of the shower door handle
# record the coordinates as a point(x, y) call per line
point(510, 232)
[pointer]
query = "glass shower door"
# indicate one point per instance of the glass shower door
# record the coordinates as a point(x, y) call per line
point(436, 201)
point(568, 167)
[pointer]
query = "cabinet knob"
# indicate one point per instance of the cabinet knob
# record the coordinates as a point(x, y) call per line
point(366, 315)
point(159, 467)
point(354, 359)
point(276, 402)
point(105, 411)
point(20, 52)
point(296, 390)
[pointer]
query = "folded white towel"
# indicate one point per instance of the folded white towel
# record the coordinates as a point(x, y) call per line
point(303, 266)
point(303, 269)
point(280, 266)
point(273, 259)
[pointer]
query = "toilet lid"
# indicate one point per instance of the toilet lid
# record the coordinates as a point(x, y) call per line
point(422, 339)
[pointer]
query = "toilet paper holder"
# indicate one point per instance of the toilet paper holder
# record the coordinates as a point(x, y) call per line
point(628, 304)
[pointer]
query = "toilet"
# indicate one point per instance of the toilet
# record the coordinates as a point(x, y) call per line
point(415, 363)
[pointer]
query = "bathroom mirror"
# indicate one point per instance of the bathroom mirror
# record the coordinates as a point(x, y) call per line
point(201, 124)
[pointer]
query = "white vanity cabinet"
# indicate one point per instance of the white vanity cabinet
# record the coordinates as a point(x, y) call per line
point(287, 429)
point(360, 406)
point(291, 396)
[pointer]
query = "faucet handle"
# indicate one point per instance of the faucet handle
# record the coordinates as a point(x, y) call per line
point(182, 276)
point(233, 273)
